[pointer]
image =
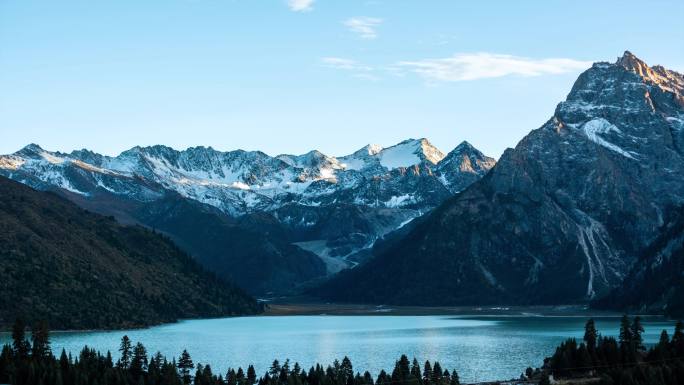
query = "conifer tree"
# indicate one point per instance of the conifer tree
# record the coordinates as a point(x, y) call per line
point(346, 370)
point(404, 367)
point(20, 344)
point(185, 364)
point(637, 331)
point(664, 340)
point(63, 360)
point(125, 350)
point(455, 380)
point(40, 336)
point(625, 338)
point(436, 373)
point(415, 369)
point(383, 378)
point(427, 372)
point(251, 375)
point(240, 376)
point(590, 335)
point(367, 378)
point(274, 370)
point(231, 377)
point(139, 360)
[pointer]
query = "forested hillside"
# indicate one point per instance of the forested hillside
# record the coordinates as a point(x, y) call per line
point(82, 270)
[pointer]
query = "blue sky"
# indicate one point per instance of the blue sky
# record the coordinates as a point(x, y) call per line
point(290, 76)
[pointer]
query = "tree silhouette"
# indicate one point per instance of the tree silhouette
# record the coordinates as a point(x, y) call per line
point(125, 350)
point(185, 364)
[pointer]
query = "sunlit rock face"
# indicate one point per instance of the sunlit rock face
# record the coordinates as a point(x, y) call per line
point(561, 217)
point(328, 207)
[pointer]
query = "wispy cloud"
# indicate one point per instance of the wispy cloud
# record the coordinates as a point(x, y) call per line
point(460, 67)
point(300, 5)
point(344, 64)
point(357, 69)
point(364, 26)
point(483, 65)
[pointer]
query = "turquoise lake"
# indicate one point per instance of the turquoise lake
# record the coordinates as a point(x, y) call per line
point(479, 348)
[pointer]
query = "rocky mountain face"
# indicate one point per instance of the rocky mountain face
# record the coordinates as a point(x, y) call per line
point(561, 217)
point(81, 270)
point(655, 284)
point(328, 208)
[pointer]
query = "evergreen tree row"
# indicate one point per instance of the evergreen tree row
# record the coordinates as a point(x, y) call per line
point(623, 361)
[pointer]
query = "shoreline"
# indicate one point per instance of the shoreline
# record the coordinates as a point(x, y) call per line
point(304, 307)
point(284, 307)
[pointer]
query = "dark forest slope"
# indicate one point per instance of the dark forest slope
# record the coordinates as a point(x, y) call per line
point(82, 270)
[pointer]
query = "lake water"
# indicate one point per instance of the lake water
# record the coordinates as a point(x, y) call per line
point(479, 348)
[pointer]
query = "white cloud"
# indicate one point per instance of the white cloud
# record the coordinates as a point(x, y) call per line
point(482, 65)
point(460, 67)
point(344, 64)
point(357, 69)
point(363, 26)
point(300, 5)
point(366, 76)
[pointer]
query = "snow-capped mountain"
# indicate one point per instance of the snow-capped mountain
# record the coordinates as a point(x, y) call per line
point(240, 182)
point(332, 206)
point(561, 217)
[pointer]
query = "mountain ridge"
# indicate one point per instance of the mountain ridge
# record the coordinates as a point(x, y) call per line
point(371, 192)
point(239, 171)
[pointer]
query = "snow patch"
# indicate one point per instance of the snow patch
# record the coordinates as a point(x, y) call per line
point(399, 201)
point(327, 173)
point(595, 127)
point(677, 123)
point(374, 149)
point(443, 180)
point(591, 240)
point(488, 276)
point(240, 185)
point(401, 155)
point(406, 222)
point(353, 164)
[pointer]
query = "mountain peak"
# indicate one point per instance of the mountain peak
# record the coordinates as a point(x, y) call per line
point(31, 151)
point(372, 149)
point(465, 145)
point(31, 147)
point(432, 153)
point(424, 147)
point(666, 79)
point(467, 159)
point(632, 63)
